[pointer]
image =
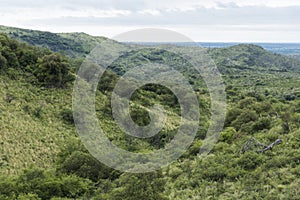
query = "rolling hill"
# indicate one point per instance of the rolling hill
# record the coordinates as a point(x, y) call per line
point(71, 44)
point(41, 156)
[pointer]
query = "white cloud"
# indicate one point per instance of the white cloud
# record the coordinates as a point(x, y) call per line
point(152, 12)
point(216, 19)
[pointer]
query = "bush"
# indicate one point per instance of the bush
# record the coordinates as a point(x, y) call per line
point(195, 147)
point(227, 135)
point(3, 62)
point(67, 116)
point(261, 124)
point(232, 115)
point(86, 166)
point(245, 117)
point(53, 71)
point(39, 184)
point(245, 103)
point(7, 187)
point(250, 160)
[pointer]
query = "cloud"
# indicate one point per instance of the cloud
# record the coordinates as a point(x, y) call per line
point(229, 15)
point(226, 5)
point(248, 15)
point(152, 12)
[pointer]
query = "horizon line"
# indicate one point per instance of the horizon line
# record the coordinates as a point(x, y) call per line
point(196, 41)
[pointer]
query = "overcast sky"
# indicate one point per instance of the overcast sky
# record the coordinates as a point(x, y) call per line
point(201, 20)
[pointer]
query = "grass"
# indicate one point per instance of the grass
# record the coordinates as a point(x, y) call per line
point(32, 129)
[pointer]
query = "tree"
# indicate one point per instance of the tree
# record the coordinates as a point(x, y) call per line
point(227, 135)
point(3, 61)
point(11, 58)
point(261, 124)
point(74, 159)
point(148, 186)
point(86, 166)
point(244, 118)
point(53, 71)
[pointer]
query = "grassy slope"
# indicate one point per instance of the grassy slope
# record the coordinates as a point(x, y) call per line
point(32, 130)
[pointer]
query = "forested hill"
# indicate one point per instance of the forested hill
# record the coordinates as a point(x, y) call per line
point(239, 57)
point(252, 57)
point(243, 56)
point(257, 155)
point(71, 44)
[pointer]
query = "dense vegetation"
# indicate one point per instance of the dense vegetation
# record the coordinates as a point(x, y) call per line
point(73, 44)
point(41, 156)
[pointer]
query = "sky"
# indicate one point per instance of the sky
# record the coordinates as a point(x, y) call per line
point(200, 20)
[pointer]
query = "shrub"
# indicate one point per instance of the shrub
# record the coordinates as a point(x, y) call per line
point(227, 135)
point(67, 115)
point(86, 166)
point(245, 117)
point(3, 62)
point(53, 71)
point(232, 115)
point(29, 196)
point(261, 124)
point(250, 160)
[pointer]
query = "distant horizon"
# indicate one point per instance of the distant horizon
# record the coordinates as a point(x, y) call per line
point(195, 40)
point(212, 42)
point(280, 47)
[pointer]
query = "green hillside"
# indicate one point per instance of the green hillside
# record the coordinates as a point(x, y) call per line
point(251, 68)
point(71, 44)
point(41, 156)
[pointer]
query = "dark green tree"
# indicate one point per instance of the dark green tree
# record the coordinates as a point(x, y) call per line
point(148, 186)
point(53, 71)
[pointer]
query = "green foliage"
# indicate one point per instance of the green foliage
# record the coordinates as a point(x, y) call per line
point(67, 115)
point(17, 55)
point(85, 166)
point(250, 160)
point(261, 124)
point(53, 71)
point(3, 61)
point(37, 126)
point(28, 196)
point(149, 186)
point(19, 60)
point(75, 159)
point(227, 135)
point(107, 82)
point(246, 117)
point(39, 184)
point(72, 44)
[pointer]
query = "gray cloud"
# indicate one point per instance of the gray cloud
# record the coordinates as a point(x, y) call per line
point(229, 16)
point(227, 5)
point(74, 4)
point(249, 15)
